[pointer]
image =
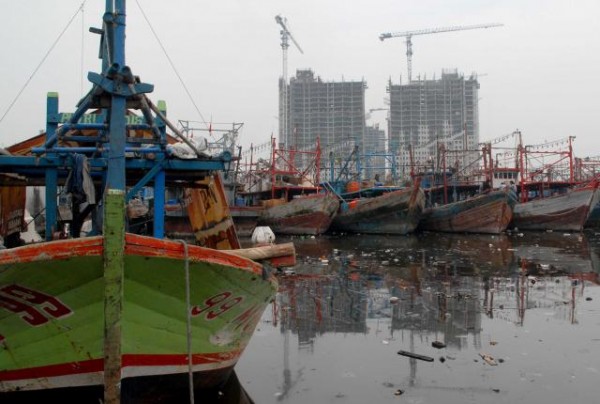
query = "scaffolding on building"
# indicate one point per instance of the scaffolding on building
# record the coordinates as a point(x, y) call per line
point(428, 111)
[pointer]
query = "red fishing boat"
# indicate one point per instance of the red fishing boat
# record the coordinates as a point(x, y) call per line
point(287, 193)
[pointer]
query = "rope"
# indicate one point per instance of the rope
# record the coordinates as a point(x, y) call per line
point(173, 66)
point(188, 317)
point(41, 62)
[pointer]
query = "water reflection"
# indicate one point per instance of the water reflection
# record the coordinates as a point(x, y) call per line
point(419, 280)
point(417, 289)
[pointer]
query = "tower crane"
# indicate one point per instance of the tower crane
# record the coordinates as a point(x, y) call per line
point(285, 35)
point(409, 34)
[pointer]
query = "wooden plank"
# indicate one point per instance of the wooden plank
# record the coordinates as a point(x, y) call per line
point(265, 252)
point(114, 270)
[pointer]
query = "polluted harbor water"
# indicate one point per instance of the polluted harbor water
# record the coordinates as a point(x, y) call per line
point(431, 318)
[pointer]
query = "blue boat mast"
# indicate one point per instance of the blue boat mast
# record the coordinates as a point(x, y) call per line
point(118, 161)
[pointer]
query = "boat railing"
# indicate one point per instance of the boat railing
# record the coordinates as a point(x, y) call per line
point(331, 188)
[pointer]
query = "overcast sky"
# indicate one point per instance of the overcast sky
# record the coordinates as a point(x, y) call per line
point(538, 72)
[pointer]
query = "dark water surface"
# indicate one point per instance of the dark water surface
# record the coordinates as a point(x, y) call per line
point(518, 315)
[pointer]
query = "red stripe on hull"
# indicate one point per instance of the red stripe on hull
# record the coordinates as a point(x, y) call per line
point(97, 365)
point(135, 245)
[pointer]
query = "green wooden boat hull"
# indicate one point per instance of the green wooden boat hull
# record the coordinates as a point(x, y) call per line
point(52, 312)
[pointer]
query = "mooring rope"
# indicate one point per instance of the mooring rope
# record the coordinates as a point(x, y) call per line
point(188, 317)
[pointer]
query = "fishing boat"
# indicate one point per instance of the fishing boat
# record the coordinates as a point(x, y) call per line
point(286, 195)
point(485, 213)
point(551, 198)
point(593, 221)
point(245, 219)
point(565, 212)
point(126, 317)
point(309, 214)
point(390, 212)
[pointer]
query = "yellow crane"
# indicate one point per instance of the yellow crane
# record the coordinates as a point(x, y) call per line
point(409, 34)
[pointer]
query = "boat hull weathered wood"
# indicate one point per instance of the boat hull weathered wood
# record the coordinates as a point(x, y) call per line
point(305, 215)
point(396, 212)
point(245, 219)
point(593, 221)
point(52, 314)
point(487, 213)
point(566, 212)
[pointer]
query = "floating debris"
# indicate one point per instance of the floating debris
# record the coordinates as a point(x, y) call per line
point(438, 344)
point(489, 359)
point(415, 356)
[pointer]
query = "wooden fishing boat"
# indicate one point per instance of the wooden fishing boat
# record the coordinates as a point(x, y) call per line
point(394, 212)
point(287, 197)
point(485, 213)
point(245, 219)
point(566, 212)
point(184, 309)
point(123, 316)
point(304, 215)
point(593, 221)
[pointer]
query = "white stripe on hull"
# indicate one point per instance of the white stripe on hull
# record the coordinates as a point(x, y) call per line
point(97, 378)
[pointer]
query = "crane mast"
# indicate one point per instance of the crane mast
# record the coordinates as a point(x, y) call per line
point(285, 36)
point(409, 34)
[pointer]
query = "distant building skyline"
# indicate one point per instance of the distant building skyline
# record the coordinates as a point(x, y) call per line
point(427, 112)
point(333, 111)
point(422, 115)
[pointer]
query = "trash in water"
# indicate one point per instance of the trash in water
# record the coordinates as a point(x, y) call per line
point(263, 235)
point(415, 356)
point(488, 359)
point(438, 344)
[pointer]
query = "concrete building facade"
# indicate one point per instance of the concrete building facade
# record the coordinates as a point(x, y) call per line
point(376, 158)
point(425, 113)
point(332, 111)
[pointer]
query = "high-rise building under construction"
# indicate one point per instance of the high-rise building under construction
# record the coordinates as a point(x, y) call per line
point(428, 112)
point(332, 111)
